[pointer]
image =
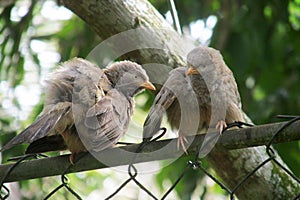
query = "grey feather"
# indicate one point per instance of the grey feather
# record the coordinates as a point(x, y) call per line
point(221, 87)
point(85, 103)
point(175, 96)
point(109, 119)
point(56, 116)
point(39, 129)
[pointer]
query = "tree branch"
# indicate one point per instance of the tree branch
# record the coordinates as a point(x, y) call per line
point(231, 139)
point(110, 18)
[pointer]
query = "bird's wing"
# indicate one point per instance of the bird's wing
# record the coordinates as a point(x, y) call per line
point(41, 127)
point(164, 101)
point(234, 107)
point(226, 77)
point(232, 92)
point(103, 123)
point(230, 89)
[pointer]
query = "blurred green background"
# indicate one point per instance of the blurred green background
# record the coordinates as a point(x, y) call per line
point(259, 40)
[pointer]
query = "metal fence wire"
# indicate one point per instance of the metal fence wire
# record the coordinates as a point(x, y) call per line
point(194, 164)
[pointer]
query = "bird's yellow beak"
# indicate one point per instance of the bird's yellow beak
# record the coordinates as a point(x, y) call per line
point(148, 85)
point(191, 70)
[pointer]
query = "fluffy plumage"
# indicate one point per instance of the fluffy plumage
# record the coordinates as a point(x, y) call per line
point(85, 108)
point(178, 100)
point(211, 83)
point(220, 97)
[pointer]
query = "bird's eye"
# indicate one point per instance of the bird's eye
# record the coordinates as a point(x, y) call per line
point(135, 76)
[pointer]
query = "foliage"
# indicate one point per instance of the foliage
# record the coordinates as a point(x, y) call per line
point(258, 39)
point(260, 43)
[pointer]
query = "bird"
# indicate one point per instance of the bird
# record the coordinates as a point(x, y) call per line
point(178, 100)
point(111, 115)
point(206, 82)
point(85, 108)
point(221, 97)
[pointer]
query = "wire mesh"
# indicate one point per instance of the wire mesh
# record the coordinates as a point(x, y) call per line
point(190, 165)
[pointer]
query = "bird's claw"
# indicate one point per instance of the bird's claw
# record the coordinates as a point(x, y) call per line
point(72, 158)
point(181, 143)
point(221, 125)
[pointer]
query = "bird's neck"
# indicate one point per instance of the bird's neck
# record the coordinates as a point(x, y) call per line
point(127, 91)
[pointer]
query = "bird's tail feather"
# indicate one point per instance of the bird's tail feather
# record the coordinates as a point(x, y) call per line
point(46, 144)
point(37, 130)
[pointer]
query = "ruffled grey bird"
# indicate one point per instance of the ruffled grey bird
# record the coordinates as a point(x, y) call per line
point(85, 108)
point(211, 83)
point(111, 115)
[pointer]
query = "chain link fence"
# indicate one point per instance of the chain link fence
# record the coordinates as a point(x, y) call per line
point(194, 164)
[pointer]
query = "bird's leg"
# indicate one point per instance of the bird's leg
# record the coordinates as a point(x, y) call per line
point(221, 125)
point(72, 158)
point(66, 137)
point(181, 143)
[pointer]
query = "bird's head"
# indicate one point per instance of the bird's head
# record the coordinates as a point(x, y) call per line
point(128, 77)
point(200, 61)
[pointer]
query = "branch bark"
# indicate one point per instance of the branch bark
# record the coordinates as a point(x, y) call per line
point(231, 139)
point(109, 18)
